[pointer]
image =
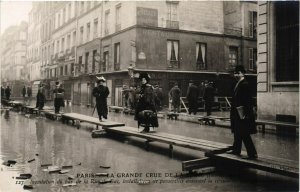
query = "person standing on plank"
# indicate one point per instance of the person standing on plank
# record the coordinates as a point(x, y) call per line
point(101, 93)
point(59, 93)
point(242, 115)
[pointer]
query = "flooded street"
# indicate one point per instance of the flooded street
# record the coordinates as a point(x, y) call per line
point(45, 141)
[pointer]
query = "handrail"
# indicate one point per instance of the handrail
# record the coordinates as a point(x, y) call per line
point(184, 105)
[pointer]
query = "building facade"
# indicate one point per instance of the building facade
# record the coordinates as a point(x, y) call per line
point(174, 41)
point(13, 57)
point(278, 59)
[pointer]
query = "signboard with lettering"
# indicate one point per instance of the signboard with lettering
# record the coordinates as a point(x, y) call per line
point(147, 16)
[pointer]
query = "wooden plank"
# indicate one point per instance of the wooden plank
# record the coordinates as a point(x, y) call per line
point(132, 132)
point(269, 165)
point(89, 119)
point(261, 122)
point(196, 164)
point(193, 140)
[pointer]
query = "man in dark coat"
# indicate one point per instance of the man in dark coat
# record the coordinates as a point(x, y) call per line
point(101, 93)
point(2, 92)
point(208, 97)
point(58, 97)
point(7, 92)
point(24, 91)
point(192, 97)
point(29, 92)
point(145, 112)
point(40, 97)
point(158, 97)
point(242, 115)
point(174, 94)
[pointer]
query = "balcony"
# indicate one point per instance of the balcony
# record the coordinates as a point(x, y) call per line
point(172, 24)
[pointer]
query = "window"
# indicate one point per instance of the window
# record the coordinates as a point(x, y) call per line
point(172, 54)
point(117, 57)
point(61, 71)
point(68, 41)
point(287, 41)
point(252, 24)
point(81, 7)
point(94, 60)
point(81, 35)
point(72, 68)
point(58, 20)
point(88, 5)
point(64, 15)
point(74, 38)
point(66, 69)
point(96, 28)
point(86, 62)
point(233, 56)
point(88, 31)
point(57, 46)
point(63, 44)
point(252, 58)
point(106, 61)
point(70, 10)
point(79, 63)
point(201, 54)
point(118, 20)
point(172, 11)
point(106, 31)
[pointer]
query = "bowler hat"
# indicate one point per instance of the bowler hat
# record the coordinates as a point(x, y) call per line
point(239, 68)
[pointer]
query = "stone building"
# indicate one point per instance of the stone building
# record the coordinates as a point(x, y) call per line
point(13, 57)
point(278, 59)
point(175, 41)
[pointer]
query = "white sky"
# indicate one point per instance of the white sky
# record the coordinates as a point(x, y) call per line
point(13, 12)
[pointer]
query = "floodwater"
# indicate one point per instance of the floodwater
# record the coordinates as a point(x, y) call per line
point(51, 142)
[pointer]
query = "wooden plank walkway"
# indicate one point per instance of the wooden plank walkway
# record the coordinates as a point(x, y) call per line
point(265, 163)
point(182, 141)
point(88, 119)
point(210, 120)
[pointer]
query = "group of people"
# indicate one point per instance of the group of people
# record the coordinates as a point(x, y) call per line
point(5, 92)
point(58, 95)
point(193, 93)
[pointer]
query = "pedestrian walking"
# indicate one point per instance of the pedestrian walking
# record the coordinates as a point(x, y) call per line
point(174, 95)
point(59, 94)
point(208, 97)
point(131, 95)
point(24, 92)
point(158, 97)
point(2, 92)
point(192, 97)
point(40, 97)
point(101, 93)
point(7, 92)
point(242, 115)
point(145, 113)
point(29, 94)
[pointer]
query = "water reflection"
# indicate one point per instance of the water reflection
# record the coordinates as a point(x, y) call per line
point(51, 142)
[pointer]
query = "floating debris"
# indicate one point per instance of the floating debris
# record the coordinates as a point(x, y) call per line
point(36, 154)
point(24, 176)
point(67, 166)
point(70, 177)
point(54, 169)
point(79, 163)
point(27, 185)
point(64, 171)
point(46, 165)
point(11, 162)
point(102, 174)
point(30, 160)
point(104, 166)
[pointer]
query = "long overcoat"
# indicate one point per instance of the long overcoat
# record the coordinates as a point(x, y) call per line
point(59, 100)
point(101, 93)
point(146, 101)
point(242, 98)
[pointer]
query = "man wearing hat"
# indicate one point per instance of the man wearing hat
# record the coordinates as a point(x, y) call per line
point(58, 97)
point(192, 97)
point(242, 115)
point(146, 102)
point(40, 97)
point(101, 93)
point(208, 97)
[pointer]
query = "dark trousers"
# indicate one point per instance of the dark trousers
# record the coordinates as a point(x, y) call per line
point(56, 109)
point(208, 106)
point(237, 144)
